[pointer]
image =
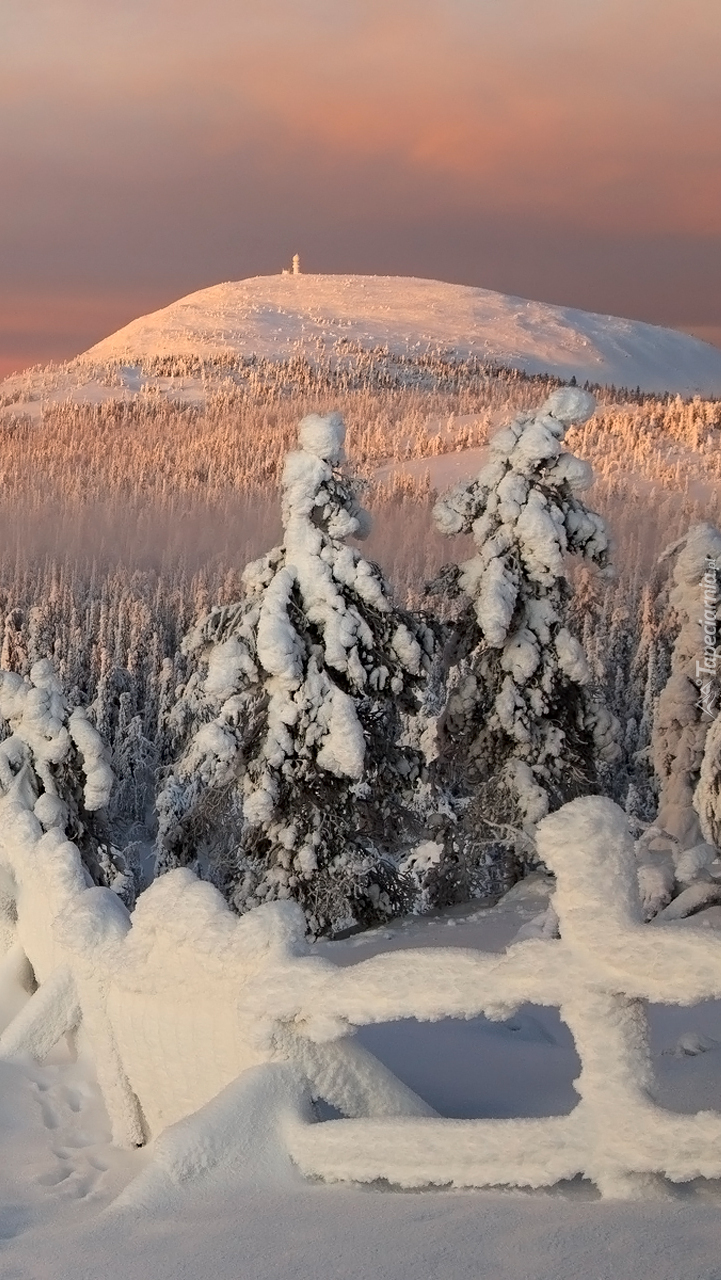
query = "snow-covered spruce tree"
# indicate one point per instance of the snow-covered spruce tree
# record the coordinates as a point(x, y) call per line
point(291, 782)
point(521, 732)
point(134, 763)
point(681, 723)
point(60, 759)
point(676, 853)
point(707, 797)
point(619, 632)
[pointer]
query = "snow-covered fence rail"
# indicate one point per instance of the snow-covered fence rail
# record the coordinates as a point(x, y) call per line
point(185, 998)
point(606, 963)
point(162, 998)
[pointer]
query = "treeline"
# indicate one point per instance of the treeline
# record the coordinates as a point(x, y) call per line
point(124, 520)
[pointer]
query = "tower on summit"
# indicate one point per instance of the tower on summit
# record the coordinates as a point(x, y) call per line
point(295, 269)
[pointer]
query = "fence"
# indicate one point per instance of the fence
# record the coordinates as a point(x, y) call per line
point(183, 999)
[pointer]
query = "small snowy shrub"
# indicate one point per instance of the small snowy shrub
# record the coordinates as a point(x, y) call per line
point(57, 760)
point(290, 782)
point(521, 732)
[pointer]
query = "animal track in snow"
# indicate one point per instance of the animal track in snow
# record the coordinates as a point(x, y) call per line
point(78, 1168)
point(97, 1162)
point(55, 1176)
point(50, 1117)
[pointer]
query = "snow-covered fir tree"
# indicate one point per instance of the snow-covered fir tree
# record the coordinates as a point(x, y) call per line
point(677, 851)
point(642, 690)
point(522, 731)
point(618, 623)
point(707, 797)
point(682, 719)
point(56, 755)
point(291, 780)
point(133, 761)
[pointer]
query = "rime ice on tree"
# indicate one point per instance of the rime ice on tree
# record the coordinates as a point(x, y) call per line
point(56, 758)
point(681, 724)
point(521, 716)
point(677, 852)
point(292, 787)
point(707, 797)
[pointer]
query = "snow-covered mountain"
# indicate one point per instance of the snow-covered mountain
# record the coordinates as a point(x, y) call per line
point(281, 316)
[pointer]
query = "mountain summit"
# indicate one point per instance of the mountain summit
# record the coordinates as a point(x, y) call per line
point(285, 315)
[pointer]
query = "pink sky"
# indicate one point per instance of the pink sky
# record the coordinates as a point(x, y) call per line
point(566, 150)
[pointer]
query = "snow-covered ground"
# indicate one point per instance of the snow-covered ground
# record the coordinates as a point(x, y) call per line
point(278, 316)
point(60, 1178)
point(317, 316)
point(442, 470)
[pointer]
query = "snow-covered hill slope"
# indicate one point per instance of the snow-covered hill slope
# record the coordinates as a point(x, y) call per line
point(281, 316)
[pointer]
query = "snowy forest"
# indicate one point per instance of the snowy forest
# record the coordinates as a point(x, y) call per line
point(284, 655)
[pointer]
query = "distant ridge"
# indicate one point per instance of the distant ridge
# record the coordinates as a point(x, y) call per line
point(285, 315)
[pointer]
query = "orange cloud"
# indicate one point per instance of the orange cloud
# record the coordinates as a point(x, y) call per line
point(597, 113)
point(164, 140)
point(612, 123)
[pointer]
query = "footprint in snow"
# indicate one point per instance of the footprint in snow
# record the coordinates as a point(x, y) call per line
point(78, 1169)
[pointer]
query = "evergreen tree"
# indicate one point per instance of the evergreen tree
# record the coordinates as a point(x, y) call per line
point(522, 731)
point(681, 723)
point(291, 782)
point(55, 754)
point(676, 852)
point(707, 797)
point(134, 762)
